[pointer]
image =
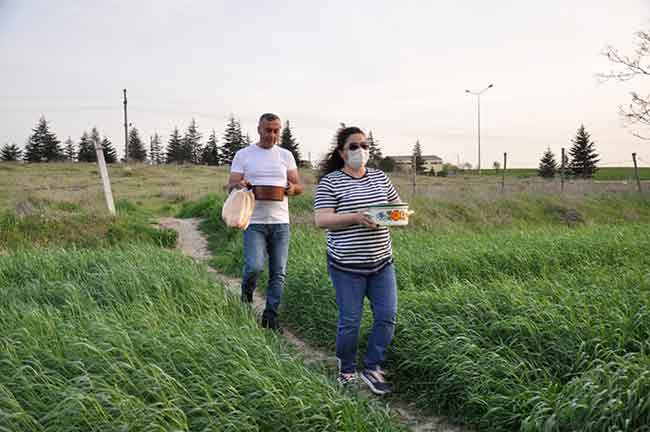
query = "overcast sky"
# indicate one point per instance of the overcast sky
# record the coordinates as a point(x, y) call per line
point(398, 68)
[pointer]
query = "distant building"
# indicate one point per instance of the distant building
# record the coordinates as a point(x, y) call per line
point(430, 163)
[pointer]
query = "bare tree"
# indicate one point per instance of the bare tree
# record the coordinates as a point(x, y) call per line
point(628, 68)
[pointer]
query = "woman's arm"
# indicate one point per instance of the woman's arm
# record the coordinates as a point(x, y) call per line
point(328, 218)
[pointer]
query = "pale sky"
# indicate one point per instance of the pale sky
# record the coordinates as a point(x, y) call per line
point(398, 68)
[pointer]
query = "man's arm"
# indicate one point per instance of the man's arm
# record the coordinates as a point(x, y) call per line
point(294, 187)
point(236, 181)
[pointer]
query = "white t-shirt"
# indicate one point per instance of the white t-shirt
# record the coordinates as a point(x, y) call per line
point(267, 167)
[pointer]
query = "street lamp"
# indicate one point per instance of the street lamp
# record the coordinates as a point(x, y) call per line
point(478, 95)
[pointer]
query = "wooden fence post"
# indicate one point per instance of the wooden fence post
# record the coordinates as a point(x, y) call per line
point(503, 173)
point(108, 194)
point(636, 174)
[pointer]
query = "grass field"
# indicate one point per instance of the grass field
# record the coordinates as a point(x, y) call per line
point(603, 173)
point(102, 327)
point(517, 311)
point(529, 326)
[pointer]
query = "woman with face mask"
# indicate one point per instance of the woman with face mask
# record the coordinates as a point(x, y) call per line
point(359, 254)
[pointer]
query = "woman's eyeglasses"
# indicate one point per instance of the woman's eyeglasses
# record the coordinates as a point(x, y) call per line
point(354, 146)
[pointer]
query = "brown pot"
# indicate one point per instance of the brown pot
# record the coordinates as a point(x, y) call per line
point(268, 193)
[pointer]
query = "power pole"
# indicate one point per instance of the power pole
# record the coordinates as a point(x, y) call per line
point(126, 132)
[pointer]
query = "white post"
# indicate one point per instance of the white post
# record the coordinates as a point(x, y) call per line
point(105, 180)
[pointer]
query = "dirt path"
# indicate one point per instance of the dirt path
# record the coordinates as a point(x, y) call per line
point(192, 242)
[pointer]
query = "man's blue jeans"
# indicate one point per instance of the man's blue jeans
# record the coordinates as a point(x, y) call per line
point(351, 289)
point(261, 241)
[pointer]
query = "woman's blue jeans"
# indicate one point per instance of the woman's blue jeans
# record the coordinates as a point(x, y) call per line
point(351, 289)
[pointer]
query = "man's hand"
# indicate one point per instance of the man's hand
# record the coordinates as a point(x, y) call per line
point(293, 189)
point(237, 181)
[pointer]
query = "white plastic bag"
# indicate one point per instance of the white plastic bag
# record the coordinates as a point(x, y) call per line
point(238, 208)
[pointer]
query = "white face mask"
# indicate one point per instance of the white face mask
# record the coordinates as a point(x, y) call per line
point(358, 158)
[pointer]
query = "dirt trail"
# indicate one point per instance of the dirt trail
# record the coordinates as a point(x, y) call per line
point(193, 244)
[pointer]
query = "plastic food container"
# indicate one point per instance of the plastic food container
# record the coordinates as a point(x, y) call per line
point(390, 214)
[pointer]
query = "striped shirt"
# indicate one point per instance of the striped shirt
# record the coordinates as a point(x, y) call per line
point(356, 248)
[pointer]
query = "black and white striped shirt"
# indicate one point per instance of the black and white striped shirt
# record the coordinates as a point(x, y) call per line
point(356, 247)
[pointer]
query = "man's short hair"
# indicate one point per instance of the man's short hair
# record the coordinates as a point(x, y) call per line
point(268, 117)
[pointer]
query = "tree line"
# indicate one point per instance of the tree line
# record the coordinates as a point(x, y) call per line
point(44, 146)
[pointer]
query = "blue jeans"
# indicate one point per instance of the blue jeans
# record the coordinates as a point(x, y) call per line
point(351, 289)
point(260, 241)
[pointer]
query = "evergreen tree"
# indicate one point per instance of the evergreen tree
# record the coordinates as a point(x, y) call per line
point(155, 150)
point(387, 164)
point(419, 162)
point(50, 145)
point(110, 154)
point(87, 151)
point(192, 143)
point(210, 154)
point(69, 150)
point(33, 150)
point(583, 155)
point(375, 152)
point(42, 145)
point(175, 148)
point(288, 142)
point(10, 153)
point(233, 141)
point(137, 152)
point(547, 165)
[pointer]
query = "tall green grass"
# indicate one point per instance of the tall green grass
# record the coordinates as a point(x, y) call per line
point(47, 223)
point(527, 328)
point(138, 338)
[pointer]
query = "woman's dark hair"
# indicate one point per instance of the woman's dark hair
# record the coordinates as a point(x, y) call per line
point(333, 161)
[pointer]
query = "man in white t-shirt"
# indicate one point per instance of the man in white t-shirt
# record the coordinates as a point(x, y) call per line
point(265, 163)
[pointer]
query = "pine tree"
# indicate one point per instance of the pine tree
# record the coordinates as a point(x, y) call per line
point(33, 150)
point(192, 143)
point(583, 155)
point(110, 154)
point(419, 162)
point(87, 151)
point(210, 154)
point(10, 153)
point(155, 150)
point(233, 141)
point(174, 148)
point(50, 145)
point(69, 150)
point(137, 152)
point(42, 145)
point(547, 165)
point(287, 141)
point(375, 152)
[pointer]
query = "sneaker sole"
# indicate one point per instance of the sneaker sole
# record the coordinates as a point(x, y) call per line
point(372, 387)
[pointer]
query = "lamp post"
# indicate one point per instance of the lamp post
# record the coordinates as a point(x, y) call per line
point(478, 96)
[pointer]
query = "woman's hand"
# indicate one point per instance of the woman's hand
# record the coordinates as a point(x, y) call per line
point(362, 218)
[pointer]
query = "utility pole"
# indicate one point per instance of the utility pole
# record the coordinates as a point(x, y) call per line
point(126, 132)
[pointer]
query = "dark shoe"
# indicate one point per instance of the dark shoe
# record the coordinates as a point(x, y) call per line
point(376, 381)
point(247, 293)
point(348, 380)
point(270, 321)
